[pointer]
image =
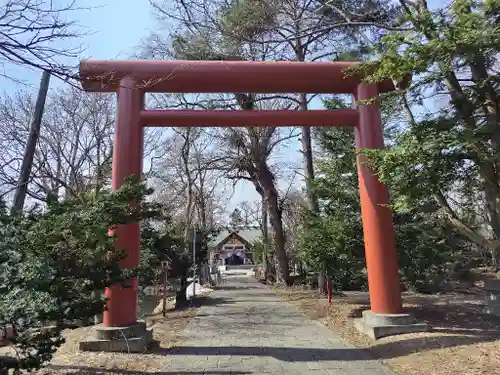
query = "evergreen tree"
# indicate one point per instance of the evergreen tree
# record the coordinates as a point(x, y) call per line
point(52, 261)
point(334, 240)
point(236, 219)
point(450, 148)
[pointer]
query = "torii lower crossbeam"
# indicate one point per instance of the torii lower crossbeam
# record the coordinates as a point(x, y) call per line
point(221, 118)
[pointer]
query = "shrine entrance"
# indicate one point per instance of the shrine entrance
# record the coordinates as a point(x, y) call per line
point(132, 79)
point(235, 260)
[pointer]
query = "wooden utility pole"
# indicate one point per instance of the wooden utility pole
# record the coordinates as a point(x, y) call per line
point(29, 151)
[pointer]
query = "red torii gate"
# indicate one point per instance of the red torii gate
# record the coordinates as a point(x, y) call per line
point(132, 79)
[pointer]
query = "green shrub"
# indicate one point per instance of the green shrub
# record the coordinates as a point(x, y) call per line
point(53, 259)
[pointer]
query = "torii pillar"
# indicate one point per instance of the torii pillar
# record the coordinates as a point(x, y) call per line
point(120, 331)
point(386, 316)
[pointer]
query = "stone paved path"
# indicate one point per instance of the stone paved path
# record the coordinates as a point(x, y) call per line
point(247, 329)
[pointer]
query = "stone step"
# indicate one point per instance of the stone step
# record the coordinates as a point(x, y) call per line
point(239, 267)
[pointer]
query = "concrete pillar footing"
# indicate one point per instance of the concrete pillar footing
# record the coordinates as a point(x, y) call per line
point(381, 325)
point(135, 338)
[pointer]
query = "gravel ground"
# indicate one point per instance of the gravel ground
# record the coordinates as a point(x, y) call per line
point(463, 341)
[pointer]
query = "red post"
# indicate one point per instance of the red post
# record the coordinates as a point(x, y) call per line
point(380, 247)
point(127, 160)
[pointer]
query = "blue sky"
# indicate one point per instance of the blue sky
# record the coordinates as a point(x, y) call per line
point(114, 29)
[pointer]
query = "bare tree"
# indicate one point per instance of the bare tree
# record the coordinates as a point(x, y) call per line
point(186, 185)
point(303, 30)
point(300, 30)
point(75, 149)
point(191, 188)
point(183, 182)
point(294, 204)
point(210, 192)
point(252, 212)
point(75, 144)
point(37, 33)
point(244, 154)
point(257, 212)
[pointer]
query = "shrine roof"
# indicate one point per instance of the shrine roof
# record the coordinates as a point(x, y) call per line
point(249, 235)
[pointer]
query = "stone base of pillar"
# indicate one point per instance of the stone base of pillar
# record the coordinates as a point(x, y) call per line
point(382, 325)
point(132, 339)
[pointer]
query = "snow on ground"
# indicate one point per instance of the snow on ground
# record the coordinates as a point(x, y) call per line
point(199, 289)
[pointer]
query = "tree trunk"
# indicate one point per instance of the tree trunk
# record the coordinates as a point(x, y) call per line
point(321, 282)
point(180, 296)
point(312, 200)
point(201, 202)
point(202, 209)
point(264, 184)
point(265, 236)
point(206, 273)
point(282, 271)
point(491, 196)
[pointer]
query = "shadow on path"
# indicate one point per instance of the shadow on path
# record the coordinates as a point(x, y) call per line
point(288, 354)
point(200, 301)
point(84, 370)
point(233, 287)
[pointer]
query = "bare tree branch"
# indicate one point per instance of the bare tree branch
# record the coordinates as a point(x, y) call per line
point(37, 34)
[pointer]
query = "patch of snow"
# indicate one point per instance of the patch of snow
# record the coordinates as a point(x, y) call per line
point(199, 289)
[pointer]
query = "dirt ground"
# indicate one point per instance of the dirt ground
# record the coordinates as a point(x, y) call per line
point(463, 340)
point(166, 333)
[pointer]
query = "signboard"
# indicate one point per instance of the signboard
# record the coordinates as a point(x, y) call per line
point(165, 264)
